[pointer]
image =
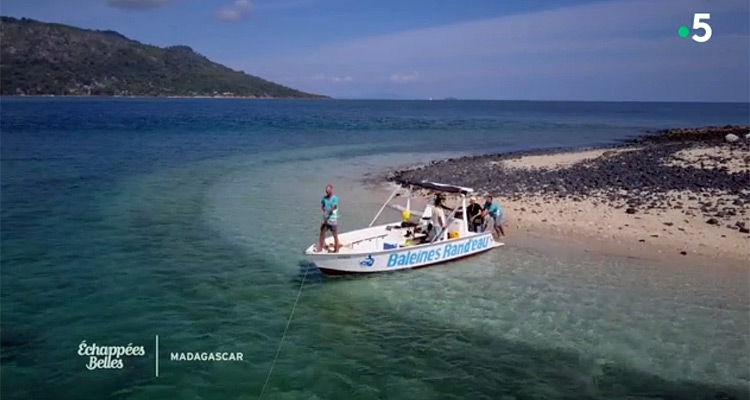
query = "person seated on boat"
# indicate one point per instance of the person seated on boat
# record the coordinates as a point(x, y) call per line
point(437, 223)
point(330, 206)
point(494, 217)
point(474, 215)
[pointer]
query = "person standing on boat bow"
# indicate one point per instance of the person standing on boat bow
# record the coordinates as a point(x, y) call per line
point(330, 206)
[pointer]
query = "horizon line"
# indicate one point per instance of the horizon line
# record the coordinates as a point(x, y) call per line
point(448, 99)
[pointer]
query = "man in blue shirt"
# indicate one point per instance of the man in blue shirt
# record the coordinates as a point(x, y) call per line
point(494, 215)
point(330, 206)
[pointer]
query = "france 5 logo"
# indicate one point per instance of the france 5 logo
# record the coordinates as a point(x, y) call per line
point(699, 23)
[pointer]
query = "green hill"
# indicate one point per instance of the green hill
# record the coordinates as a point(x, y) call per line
point(38, 58)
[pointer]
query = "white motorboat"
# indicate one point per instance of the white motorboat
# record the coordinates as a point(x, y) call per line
point(404, 244)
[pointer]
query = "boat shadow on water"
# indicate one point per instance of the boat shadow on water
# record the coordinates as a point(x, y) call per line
point(309, 273)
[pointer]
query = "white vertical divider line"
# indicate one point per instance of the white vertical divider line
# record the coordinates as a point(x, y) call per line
point(157, 356)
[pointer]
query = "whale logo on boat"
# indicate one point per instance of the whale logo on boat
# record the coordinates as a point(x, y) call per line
point(367, 262)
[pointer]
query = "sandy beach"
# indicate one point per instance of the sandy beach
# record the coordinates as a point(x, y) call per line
point(687, 198)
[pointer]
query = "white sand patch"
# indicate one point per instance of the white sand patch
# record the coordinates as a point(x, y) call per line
point(705, 158)
point(669, 228)
point(560, 160)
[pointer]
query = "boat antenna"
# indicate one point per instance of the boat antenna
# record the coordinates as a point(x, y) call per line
point(408, 199)
point(384, 205)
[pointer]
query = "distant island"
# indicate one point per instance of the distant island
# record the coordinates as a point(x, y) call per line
point(38, 58)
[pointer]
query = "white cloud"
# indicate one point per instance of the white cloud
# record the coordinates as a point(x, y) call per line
point(403, 78)
point(281, 4)
point(583, 28)
point(237, 11)
point(567, 51)
point(321, 77)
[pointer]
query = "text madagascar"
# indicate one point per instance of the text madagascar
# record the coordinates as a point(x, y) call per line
point(218, 356)
point(447, 251)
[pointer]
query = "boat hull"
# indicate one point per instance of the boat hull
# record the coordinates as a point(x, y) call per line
point(404, 257)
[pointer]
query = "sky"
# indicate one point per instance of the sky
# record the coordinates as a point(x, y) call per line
point(612, 50)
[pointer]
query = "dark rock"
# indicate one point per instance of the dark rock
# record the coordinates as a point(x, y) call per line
point(633, 180)
point(744, 230)
point(684, 253)
point(668, 224)
point(712, 221)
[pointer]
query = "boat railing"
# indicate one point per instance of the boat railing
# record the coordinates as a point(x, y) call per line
point(367, 239)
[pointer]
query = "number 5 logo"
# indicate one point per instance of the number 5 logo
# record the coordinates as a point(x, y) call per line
point(698, 24)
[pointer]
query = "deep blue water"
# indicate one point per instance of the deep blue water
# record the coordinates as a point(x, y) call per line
point(123, 219)
point(164, 132)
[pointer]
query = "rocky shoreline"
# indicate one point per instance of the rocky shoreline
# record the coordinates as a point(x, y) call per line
point(701, 175)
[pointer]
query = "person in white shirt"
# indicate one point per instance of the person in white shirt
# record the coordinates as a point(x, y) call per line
point(438, 218)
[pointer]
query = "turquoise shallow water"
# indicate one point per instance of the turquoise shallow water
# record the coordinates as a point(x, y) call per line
point(126, 220)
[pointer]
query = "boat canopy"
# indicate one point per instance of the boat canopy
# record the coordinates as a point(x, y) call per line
point(442, 187)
